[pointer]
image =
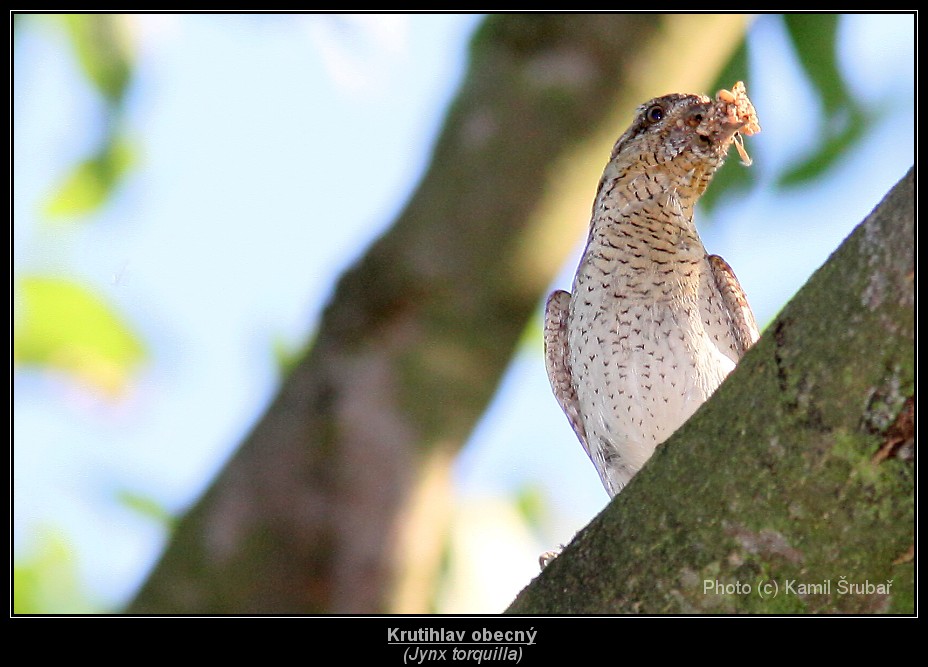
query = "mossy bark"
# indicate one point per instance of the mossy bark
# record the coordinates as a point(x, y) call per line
point(792, 489)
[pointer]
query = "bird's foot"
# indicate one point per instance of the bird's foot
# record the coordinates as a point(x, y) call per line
point(545, 559)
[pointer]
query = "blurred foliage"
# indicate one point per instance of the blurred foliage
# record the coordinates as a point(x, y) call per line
point(102, 50)
point(530, 503)
point(63, 326)
point(842, 122)
point(146, 506)
point(533, 338)
point(287, 355)
point(814, 37)
point(46, 579)
point(59, 324)
point(91, 181)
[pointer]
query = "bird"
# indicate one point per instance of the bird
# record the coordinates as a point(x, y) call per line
point(653, 323)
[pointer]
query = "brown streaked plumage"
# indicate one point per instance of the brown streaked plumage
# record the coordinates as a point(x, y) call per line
point(653, 324)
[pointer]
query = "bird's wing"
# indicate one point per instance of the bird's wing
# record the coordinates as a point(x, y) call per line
point(557, 361)
point(742, 318)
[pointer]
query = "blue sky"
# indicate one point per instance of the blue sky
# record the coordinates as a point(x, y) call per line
point(272, 150)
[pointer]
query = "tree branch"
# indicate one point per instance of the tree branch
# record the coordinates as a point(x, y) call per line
point(797, 473)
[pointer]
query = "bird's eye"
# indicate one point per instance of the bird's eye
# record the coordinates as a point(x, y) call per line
point(654, 114)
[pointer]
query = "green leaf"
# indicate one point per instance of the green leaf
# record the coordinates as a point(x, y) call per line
point(814, 36)
point(63, 326)
point(145, 506)
point(288, 356)
point(46, 581)
point(532, 338)
point(91, 181)
point(102, 48)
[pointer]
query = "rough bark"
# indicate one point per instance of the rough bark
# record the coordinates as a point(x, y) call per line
point(795, 481)
point(330, 504)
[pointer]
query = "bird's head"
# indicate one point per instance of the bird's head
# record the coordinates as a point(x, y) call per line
point(687, 134)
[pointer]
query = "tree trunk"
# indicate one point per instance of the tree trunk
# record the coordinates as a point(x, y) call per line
point(333, 502)
point(792, 489)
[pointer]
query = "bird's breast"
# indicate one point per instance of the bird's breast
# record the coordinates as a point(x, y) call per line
point(643, 355)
